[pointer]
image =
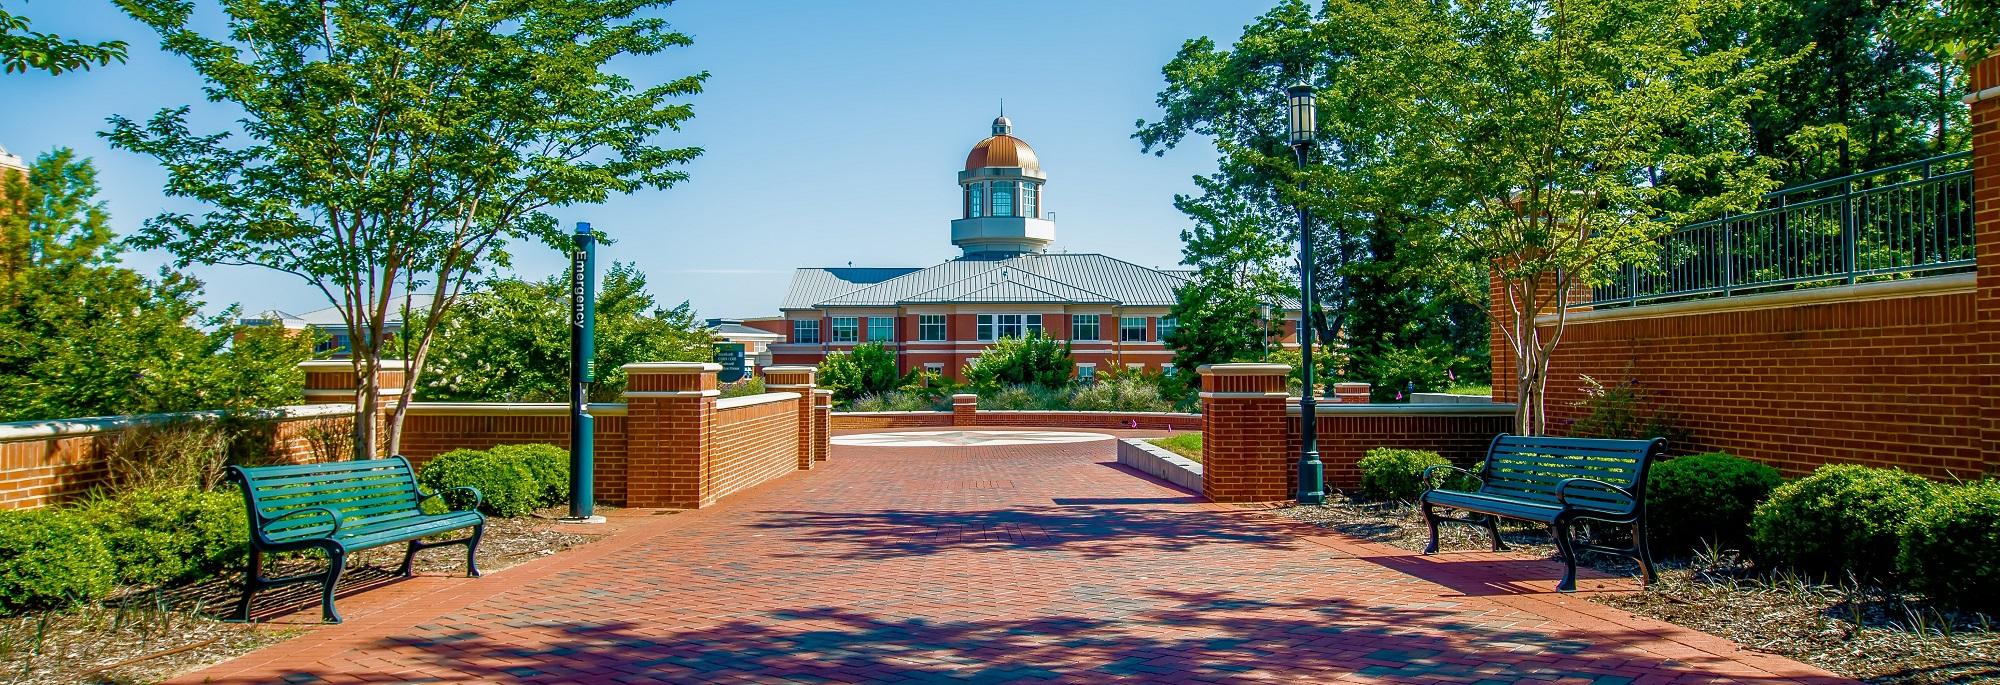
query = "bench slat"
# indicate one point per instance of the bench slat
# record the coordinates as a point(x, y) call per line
point(328, 468)
point(336, 500)
point(311, 479)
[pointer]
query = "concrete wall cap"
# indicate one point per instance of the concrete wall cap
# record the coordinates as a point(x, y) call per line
point(823, 391)
point(1882, 290)
point(1244, 370)
point(673, 393)
point(794, 368)
point(754, 400)
point(964, 396)
point(510, 408)
point(38, 430)
point(1323, 410)
point(345, 365)
point(671, 367)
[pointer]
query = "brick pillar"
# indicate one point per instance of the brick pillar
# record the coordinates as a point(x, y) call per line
point(797, 379)
point(331, 381)
point(1243, 433)
point(669, 430)
point(965, 409)
point(1351, 393)
point(822, 422)
point(1985, 115)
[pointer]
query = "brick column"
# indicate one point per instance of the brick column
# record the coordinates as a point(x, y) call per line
point(1985, 116)
point(1351, 393)
point(798, 379)
point(965, 409)
point(1243, 433)
point(669, 429)
point(822, 422)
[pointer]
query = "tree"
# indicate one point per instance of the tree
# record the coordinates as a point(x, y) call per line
point(509, 340)
point(1561, 128)
point(391, 148)
point(82, 336)
point(869, 369)
point(22, 48)
point(1033, 360)
point(1218, 323)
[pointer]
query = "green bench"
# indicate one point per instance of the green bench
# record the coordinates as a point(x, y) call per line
point(343, 507)
point(1554, 481)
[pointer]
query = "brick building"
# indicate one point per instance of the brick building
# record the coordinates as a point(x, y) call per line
point(1006, 284)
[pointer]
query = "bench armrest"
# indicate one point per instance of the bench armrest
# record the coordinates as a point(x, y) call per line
point(1562, 491)
point(330, 514)
point(477, 497)
point(1425, 478)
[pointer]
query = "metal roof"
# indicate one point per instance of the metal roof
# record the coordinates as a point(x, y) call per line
point(812, 285)
point(1028, 278)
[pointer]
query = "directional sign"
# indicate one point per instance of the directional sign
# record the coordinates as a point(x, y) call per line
point(730, 356)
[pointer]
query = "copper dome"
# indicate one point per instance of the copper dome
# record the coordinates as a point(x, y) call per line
point(1002, 151)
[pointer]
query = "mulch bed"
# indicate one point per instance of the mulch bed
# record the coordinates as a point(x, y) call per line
point(1862, 633)
point(146, 636)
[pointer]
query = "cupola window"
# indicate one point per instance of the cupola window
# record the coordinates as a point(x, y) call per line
point(1003, 198)
point(1028, 198)
point(975, 200)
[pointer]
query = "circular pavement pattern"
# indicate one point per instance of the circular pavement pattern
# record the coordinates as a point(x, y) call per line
point(965, 438)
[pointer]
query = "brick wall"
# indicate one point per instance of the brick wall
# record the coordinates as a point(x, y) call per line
point(753, 444)
point(1103, 420)
point(1985, 118)
point(431, 429)
point(890, 419)
point(1344, 437)
point(45, 462)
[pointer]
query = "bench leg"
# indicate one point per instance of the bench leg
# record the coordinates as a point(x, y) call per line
point(1645, 550)
point(336, 561)
point(1493, 529)
point(253, 575)
point(410, 559)
point(472, 551)
point(1431, 519)
point(1561, 529)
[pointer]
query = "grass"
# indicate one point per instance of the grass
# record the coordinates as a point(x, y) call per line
point(1485, 389)
point(1185, 444)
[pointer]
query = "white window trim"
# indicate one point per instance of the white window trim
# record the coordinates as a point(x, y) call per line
point(943, 327)
point(833, 328)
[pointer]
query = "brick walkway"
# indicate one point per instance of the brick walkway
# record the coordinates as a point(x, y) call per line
point(990, 565)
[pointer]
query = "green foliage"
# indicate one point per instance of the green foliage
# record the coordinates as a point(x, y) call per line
point(509, 342)
point(1951, 547)
point(1219, 321)
point(744, 388)
point(1624, 412)
point(1326, 366)
point(1397, 372)
point(22, 49)
point(1121, 392)
point(1184, 444)
point(547, 465)
point(1947, 28)
point(895, 400)
point(1388, 473)
point(159, 536)
point(1841, 519)
point(82, 336)
point(50, 559)
point(869, 369)
point(1024, 398)
point(1034, 360)
point(391, 148)
point(1705, 499)
point(508, 487)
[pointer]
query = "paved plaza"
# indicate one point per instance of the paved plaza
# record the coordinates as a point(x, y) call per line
point(994, 563)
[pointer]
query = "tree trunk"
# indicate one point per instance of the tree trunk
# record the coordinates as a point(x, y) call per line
point(367, 394)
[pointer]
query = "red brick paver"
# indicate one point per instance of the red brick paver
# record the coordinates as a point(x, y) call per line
point(995, 564)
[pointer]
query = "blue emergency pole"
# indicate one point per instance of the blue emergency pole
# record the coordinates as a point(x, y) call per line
point(583, 371)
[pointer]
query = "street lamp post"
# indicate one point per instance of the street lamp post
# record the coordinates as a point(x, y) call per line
point(1312, 474)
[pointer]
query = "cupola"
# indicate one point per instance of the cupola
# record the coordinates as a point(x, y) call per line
point(1003, 204)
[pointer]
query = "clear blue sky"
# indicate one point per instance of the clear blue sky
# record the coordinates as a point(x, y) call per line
point(833, 132)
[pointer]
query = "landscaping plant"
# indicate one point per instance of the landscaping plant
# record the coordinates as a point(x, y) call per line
point(1389, 473)
point(1950, 549)
point(507, 486)
point(869, 369)
point(1034, 360)
point(50, 558)
point(1705, 498)
point(1842, 519)
point(158, 536)
point(547, 464)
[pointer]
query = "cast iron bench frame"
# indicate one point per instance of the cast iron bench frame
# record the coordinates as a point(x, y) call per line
point(1557, 482)
point(342, 507)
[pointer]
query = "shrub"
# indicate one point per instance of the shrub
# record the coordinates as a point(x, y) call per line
point(1842, 518)
point(190, 453)
point(1388, 473)
point(1951, 547)
point(896, 400)
point(507, 485)
point(1024, 398)
point(1705, 497)
point(1033, 360)
point(1624, 411)
point(869, 368)
point(1121, 393)
point(50, 559)
point(547, 464)
point(744, 388)
point(159, 536)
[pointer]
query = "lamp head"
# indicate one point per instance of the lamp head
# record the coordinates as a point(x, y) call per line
point(1302, 116)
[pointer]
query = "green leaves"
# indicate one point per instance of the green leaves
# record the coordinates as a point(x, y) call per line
point(868, 369)
point(1034, 360)
point(22, 49)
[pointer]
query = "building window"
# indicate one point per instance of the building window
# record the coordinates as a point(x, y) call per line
point(975, 200)
point(1083, 327)
point(1136, 367)
point(881, 329)
point(1003, 198)
point(805, 331)
point(1086, 372)
point(1132, 329)
point(1028, 199)
point(996, 326)
point(1167, 326)
point(930, 327)
point(846, 329)
point(1169, 370)
point(934, 367)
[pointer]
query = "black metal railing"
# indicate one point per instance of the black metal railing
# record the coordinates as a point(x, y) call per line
point(1904, 221)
